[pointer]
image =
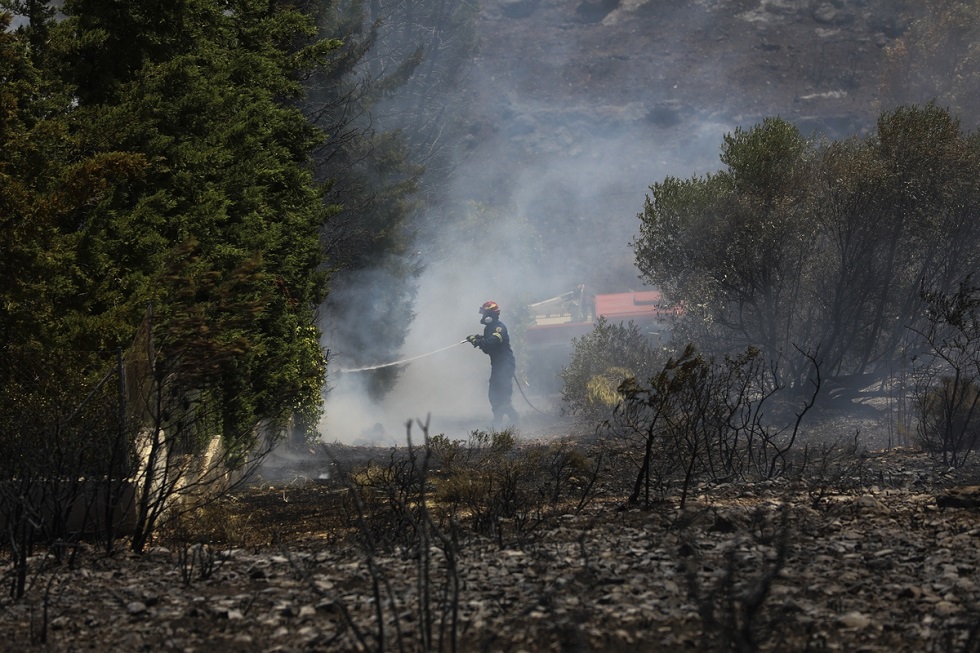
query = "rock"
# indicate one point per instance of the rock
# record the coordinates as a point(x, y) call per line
point(871, 503)
point(593, 11)
point(960, 497)
point(855, 620)
point(825, 13)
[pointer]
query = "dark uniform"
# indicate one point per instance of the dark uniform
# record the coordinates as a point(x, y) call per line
point(495, 343)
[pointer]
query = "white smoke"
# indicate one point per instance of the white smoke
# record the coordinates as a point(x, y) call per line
point(447, 379)
point(549, 201)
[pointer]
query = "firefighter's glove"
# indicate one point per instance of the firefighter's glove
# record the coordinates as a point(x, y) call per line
point(473, 340)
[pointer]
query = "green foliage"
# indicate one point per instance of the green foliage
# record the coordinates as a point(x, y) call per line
point(153, 155)
point(221, 231)
point(390, 99)
point(728, 242)
point(48, 176)
point(765, 162)
point(677, 215)
point(815, 246)
point(600, 361)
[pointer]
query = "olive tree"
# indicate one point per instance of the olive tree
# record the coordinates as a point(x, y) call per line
point(807, 245)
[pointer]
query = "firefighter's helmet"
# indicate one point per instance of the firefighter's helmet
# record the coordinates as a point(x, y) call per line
point(490, 308)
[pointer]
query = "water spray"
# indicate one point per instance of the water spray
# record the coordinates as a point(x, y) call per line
point(400, 362)
point(430, 353)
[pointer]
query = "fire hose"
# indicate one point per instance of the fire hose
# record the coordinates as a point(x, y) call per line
point(430, 353)
point(528, 401)
point(399, 362)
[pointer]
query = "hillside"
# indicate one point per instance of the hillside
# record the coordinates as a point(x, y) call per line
point(674, 63)
point(663, 70)
point(580, 106)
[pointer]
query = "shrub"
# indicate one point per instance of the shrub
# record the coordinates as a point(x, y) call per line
point(495, 485)
point(702, 418)
point(600, 361)
point(949, 419)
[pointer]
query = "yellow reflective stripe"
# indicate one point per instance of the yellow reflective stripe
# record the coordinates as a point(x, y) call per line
point(498, 337)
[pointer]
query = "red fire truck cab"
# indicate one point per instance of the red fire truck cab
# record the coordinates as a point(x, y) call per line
point(556, 321)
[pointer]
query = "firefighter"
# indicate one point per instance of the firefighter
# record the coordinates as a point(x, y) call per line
point(495, 343)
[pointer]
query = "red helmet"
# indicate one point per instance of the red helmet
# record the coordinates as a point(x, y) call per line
point(490, 308)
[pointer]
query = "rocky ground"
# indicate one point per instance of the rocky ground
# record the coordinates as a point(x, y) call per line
point(881, 557)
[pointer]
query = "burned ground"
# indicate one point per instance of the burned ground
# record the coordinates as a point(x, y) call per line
point(868, 560)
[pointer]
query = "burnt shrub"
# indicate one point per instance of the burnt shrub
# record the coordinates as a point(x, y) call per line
point(949, 418)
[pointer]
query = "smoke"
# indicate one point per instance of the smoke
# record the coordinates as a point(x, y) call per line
point(545, 201)
point(541, 230)
point(487, 254)
point(566, 132)
point(447, 378)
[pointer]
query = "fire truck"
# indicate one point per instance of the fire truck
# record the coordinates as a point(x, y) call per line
point(556, 321)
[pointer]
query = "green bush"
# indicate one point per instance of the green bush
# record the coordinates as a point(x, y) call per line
point(600, 362)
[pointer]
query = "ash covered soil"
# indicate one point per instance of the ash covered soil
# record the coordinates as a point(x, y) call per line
point(883, 556)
